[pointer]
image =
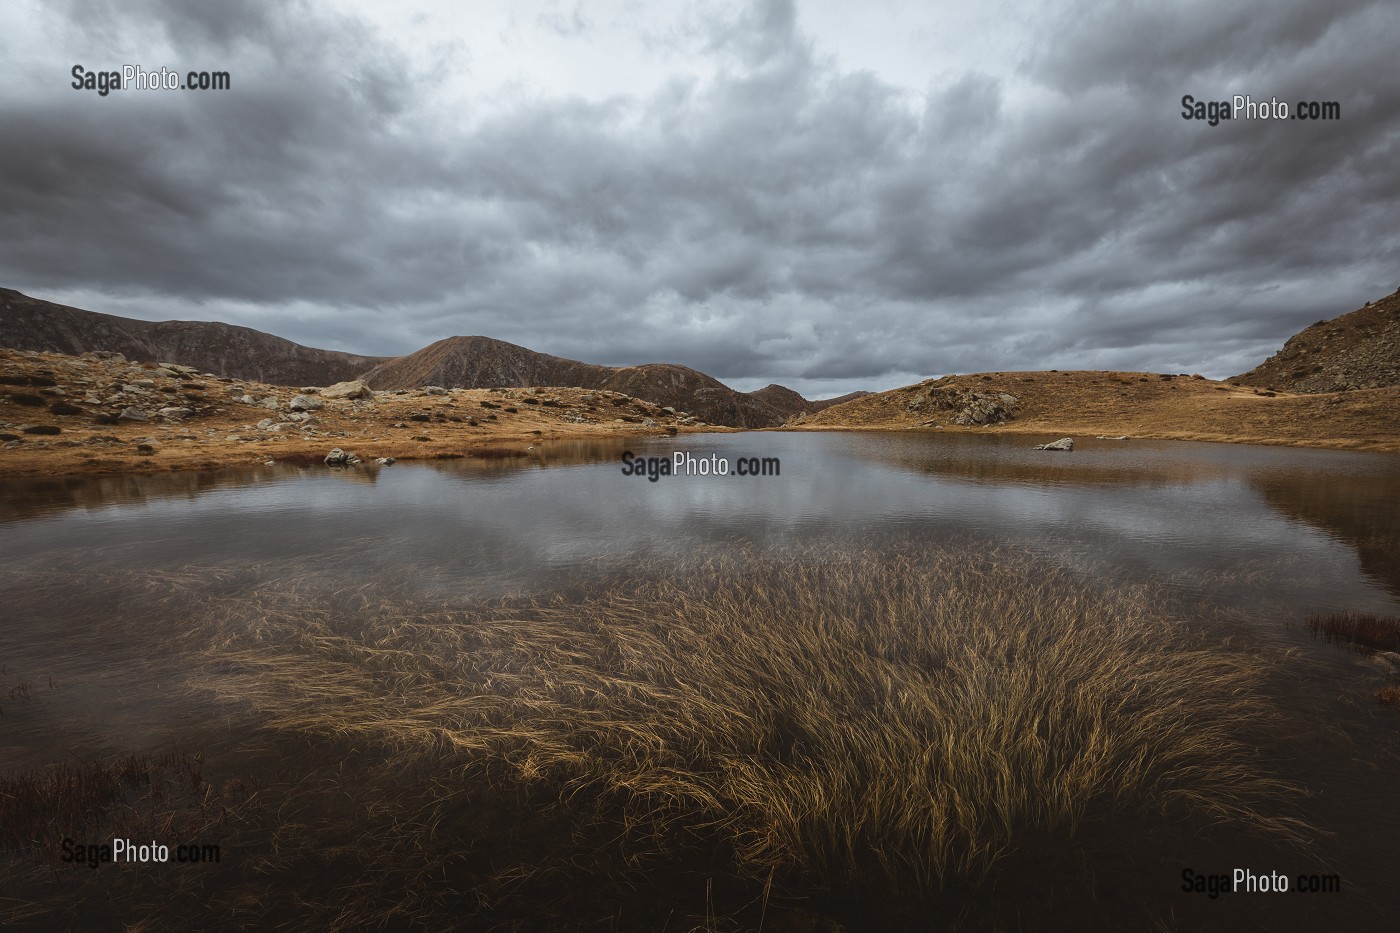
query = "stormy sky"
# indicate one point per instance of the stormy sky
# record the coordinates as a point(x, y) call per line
point(828, 195)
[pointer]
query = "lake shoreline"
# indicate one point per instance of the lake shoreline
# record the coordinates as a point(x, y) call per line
point(101, 415)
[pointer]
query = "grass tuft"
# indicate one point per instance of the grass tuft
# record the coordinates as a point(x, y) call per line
point(1362, 629)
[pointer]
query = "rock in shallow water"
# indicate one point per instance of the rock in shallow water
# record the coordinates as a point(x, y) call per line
point(1064, 443)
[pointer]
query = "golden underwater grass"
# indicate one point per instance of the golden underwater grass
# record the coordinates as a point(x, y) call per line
point(888, 719)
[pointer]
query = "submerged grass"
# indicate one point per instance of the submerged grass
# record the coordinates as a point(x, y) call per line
point(1364, 630)
point(873, 721)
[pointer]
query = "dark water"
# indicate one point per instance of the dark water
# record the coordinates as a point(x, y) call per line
point(1267, 535)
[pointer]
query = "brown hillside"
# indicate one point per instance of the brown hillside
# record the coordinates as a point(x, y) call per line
point(225, 349)
point(824, 403)
point(100, 413)
point(785, 400)
point(686, 389)
point(1360, 350)
point(793, 405)
point(481, 362)
point(1056, 404)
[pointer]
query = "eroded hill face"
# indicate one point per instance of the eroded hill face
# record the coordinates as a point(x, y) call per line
point(223, 349)
point(1360, 350)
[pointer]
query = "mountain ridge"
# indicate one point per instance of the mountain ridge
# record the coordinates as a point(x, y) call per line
point(224, 349)
point(232, 350)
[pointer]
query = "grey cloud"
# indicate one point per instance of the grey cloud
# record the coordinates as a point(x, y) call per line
point(784, 221)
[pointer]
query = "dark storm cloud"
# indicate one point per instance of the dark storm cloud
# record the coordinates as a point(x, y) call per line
point(785, 220)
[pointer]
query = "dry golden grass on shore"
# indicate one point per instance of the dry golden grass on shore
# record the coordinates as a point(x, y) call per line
point(1141, 405)
point(873, 720)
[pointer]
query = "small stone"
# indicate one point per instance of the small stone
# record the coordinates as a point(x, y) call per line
point(1064, 443)
point(133, 414)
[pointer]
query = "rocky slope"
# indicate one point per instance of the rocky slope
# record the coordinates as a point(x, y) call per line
point(1360, 350)
point(1160, 405)
point(457, 362)
point(224, 349)
point(100, 413)
point(483, 363)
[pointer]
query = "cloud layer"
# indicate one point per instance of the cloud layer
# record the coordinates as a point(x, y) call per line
point(756, 205)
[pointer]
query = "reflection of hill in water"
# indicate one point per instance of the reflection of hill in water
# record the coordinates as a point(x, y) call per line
point(34, 497)
point(1359, 506)
point(988, 458)
point(1362, 510)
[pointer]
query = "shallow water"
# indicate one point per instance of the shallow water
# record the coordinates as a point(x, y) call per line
point(1261, 536)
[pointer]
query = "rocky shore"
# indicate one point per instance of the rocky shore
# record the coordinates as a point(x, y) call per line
point(101, 413)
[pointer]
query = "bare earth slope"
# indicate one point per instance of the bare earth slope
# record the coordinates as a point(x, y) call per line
point(1056, 404)
point(481, 362)
point(225, 349)
point(1360, 350)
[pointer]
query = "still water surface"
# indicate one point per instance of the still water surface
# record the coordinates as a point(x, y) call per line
point(1267, 534)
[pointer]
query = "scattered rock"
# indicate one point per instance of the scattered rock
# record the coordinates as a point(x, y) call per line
point(385, 461)
point(355, 388)
point(434, 390)
point(133, 414)
point(338, 457)
point(1064, 443)
point(176, 412)
point(306, 403)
